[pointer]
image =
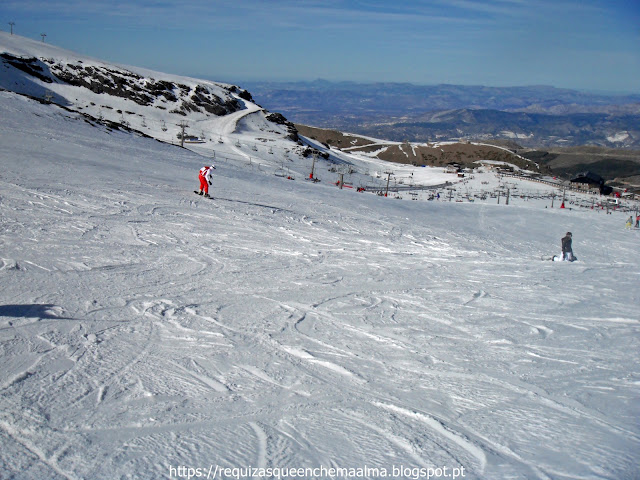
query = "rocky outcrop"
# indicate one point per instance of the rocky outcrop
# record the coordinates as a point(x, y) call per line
point(141, 90)
point(30, 66)
point(279, 119)
point(162, 94)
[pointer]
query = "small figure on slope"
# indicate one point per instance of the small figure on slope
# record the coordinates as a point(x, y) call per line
point(629, 223)
point(567, 251)
point(205, 180)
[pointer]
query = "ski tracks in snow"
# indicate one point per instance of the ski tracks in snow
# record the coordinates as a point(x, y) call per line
point(443, 431)
point(142, 327)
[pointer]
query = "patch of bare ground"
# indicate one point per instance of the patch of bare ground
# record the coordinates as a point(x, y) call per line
point(464, 154)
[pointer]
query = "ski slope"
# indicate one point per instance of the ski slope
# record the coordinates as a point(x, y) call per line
point(146, 332)
point(287, 324)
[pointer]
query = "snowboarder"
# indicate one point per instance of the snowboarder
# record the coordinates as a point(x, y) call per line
point(629, 223)
point(638, 221)
point(205, 180)
point(567, 251)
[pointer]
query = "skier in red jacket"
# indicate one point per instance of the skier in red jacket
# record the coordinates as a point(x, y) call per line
point(205, 180)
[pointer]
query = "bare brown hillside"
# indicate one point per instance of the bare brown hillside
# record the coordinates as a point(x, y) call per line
point(619, 167)
point(417, 154)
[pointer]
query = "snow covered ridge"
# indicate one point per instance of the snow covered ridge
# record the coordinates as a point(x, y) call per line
point(160, 94)
point(146, 91)
point(112, 92)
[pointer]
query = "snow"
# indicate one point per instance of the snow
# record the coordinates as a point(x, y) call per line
point(290, 324)
point(510, 134)
point(618, 137)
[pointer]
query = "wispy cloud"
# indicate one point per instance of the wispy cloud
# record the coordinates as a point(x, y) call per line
point(275, 12)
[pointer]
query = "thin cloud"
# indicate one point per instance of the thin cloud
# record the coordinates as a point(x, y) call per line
point(280, 12)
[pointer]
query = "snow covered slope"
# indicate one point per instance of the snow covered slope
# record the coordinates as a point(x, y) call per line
point(145, 330)
point(152, 103)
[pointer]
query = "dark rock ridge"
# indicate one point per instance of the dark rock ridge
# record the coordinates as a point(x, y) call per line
point(162, 94)
point(31, 66)
point(279, 119)
point(141, 90)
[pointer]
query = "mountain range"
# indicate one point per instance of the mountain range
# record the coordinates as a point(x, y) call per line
point(536, 116)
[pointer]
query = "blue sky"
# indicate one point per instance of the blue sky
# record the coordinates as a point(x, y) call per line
point(581, 44)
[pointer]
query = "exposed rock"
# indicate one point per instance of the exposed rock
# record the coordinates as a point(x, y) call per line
point(313, 151)
point(129, 85)
point(31, 66)
point(279, 119)
point(242, 93)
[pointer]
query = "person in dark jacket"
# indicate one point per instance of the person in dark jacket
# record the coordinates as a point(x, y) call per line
point(567, 251)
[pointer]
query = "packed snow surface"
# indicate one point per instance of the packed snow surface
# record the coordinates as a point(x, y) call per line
point(146, 332)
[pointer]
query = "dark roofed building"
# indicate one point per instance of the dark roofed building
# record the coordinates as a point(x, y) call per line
point(589, 178)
